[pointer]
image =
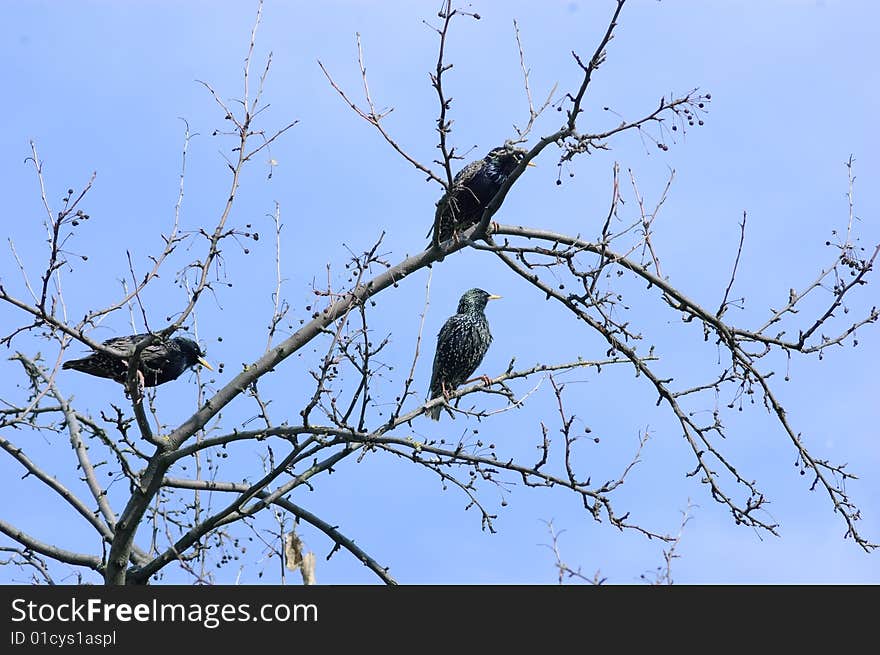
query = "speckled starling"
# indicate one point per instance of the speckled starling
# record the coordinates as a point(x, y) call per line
point(473, 188)
point(160, 362)
point(461, 345)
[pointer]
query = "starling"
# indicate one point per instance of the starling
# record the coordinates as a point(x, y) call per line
point(160, 362)
point(461, 345)
point(473, 188)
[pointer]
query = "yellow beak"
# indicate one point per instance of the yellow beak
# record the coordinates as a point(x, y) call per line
point(495, 297)
point(532, 164)
point(204, 363)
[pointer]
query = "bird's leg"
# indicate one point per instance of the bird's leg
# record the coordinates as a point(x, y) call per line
point(485, 378)
point(446, 393)
point(123, 380)
point(139, 390)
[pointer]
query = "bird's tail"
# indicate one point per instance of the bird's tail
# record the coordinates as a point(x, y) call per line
point(433, 394)
point(73, 363)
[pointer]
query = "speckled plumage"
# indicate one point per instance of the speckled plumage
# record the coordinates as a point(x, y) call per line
point(461, 345)
point(473, 188)
point(160, 362)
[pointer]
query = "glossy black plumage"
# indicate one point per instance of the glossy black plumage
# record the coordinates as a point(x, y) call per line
point(461, 345)
point(160, 362)
point(473, 188)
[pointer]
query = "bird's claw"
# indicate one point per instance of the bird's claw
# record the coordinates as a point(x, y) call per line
point(487, 381)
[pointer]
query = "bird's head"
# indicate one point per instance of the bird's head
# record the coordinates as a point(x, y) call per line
point(474, 300)
point(192, 352)
point(505, 158)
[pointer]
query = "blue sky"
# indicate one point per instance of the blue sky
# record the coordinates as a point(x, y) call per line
point(101, 86)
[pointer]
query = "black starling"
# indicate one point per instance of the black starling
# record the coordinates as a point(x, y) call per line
point(160, 362)
point(461, 345)
point(473, 188)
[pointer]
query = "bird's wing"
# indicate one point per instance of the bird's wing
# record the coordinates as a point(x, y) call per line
point(442, 337)
point(467, 171)
point(157, 349)
point(124, 344)
point(157, 352)
point(447, 197)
